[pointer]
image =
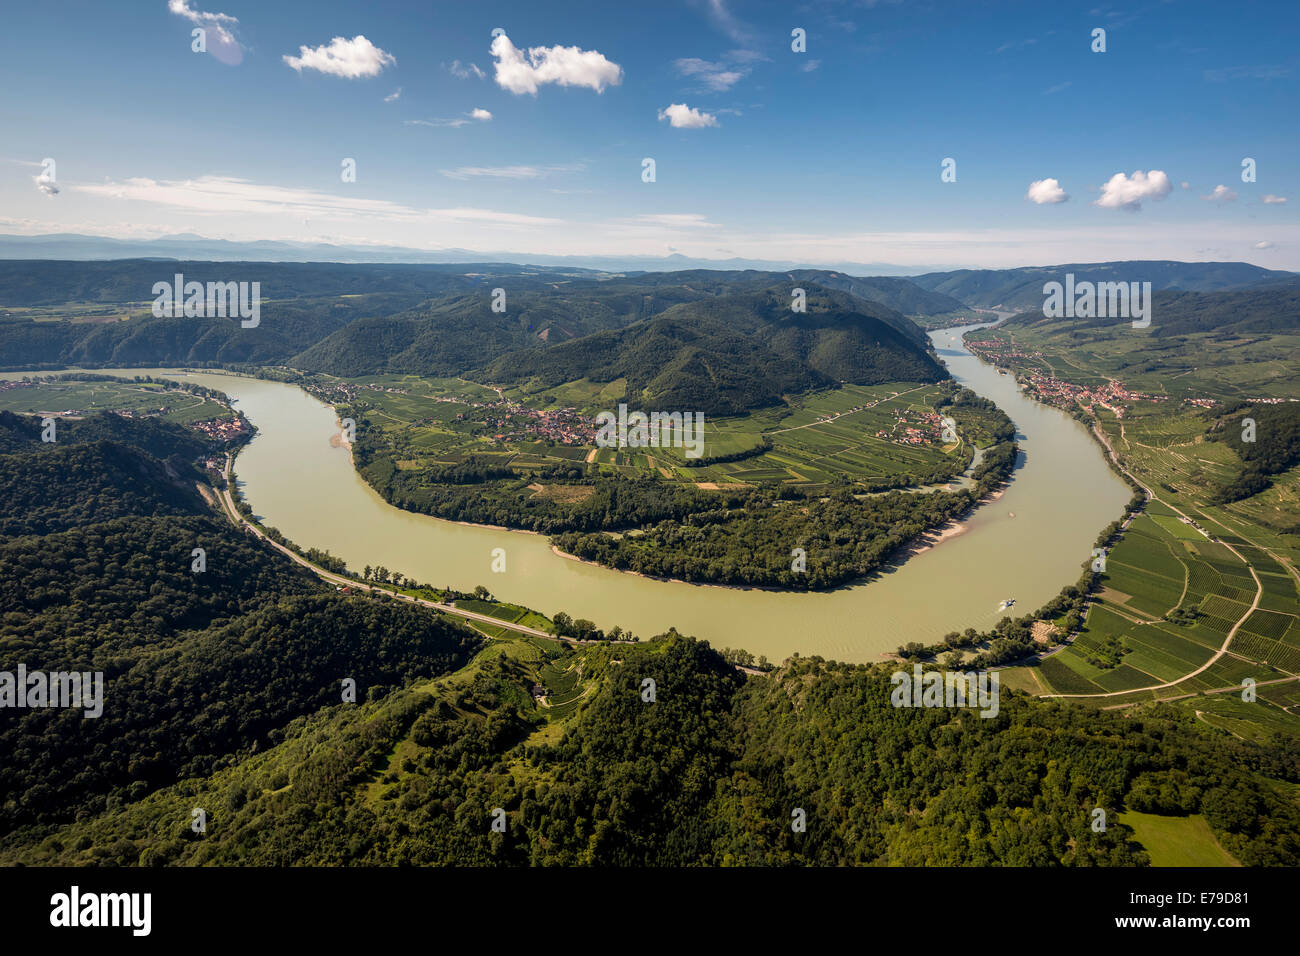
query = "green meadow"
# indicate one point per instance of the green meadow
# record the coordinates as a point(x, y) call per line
point(1177, 841)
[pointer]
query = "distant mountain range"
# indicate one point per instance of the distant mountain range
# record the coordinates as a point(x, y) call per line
point(197, 248)
point(700, 339)
point(1022, 288)
point(1266, 308)
point(715, 342)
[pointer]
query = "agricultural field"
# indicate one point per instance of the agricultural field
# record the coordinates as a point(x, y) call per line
point(1220, 365)
point(851, 433)
point(76, 398)
point(1185, 574)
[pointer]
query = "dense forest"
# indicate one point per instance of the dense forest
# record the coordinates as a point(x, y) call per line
point(734, 352)
point(713, 771)
point(353, 320)
point(96, 575)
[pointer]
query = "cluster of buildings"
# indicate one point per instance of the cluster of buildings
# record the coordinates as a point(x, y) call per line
point(1113, 396)
point(998, 352)
point(922, 428)
point(224, 429)
point(345, 393)
point(516, 422)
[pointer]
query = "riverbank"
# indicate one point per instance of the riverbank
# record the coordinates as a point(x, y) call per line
point(1062, 494)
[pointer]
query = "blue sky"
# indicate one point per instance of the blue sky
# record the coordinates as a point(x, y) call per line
point(533, 142)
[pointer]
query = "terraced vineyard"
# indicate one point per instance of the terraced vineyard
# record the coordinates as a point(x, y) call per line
point(818, 439)
point(1186, 576)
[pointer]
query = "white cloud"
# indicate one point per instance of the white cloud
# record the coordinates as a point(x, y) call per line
point(522, 71)
point(1057, 88)
point(1271, 200)
point(715, 76)
point(466, 71)
point(1185, 184)
point(1127, 192)
point(508, 172)
point(678, 220)
point(727, 23)
point(1221, 194)
point(395, 95)
point(45, 183)
point(221, 195)
point(1046, 192)
point(350, 59)
point(681, 116)
point(811, 65)
point(218, 37)
point(479, 115)
point(1263, 244)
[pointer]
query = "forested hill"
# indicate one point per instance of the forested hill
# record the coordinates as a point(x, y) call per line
point(901, 295)
point(734, 352)
point(359, 320)
point(1275, 308)
point(122, 467)
point(1023, 288)
point(713, 772)
point(39, 282)
point(35, 282)
point(199, 668)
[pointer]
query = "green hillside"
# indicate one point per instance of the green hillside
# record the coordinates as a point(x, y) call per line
point(1022, 288)
point(733, 352)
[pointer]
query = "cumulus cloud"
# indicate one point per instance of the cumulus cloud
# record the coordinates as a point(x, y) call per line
point(1221, 194)
point(480, 114)
point(1127, 192)
point(395, 95)
point(1046, 192)
point(1185, 184)
point(1263, 244)
point(219, 38)
point(1271, 200)
point(350, 59)
point(466, 71)
point(681, 116)
point(521, 71)
point(45, 183)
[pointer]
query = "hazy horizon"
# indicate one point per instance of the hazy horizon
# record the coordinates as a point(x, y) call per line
point(925, 135)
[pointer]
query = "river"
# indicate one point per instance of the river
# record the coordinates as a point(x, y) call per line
point(1062, 495)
